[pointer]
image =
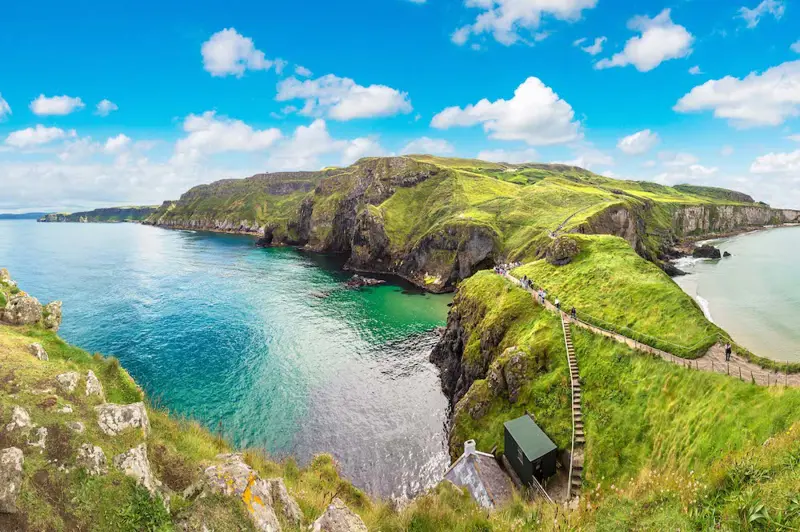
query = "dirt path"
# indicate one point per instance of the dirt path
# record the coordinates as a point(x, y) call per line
point(712, 361)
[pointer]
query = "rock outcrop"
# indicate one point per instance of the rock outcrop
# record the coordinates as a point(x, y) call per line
point(561, 251)
point(114, 419)
point(93, 385)
point(233, 477)
point(135, 464)
point(706, 251)
point(20, 420)
point(67, 382)
point(280, 497)
point(92, 459)
point(22, 310)
point(52, 315)
point(339, 518)
point(11, 461)
point(37, 350)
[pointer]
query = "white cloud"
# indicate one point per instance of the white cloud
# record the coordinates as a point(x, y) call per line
point(5, 109)
point(766, 99)
point(78, 149)
point(37, 136)
point(106, 107)
point(660, 40)
point(229, 53)
point(726, 151)
point(117, 144)
point(309, 143)
point(593, 49)
point(795, 138)
point(588, 157)
point(777, 163)
point(343, 99)
point(209, 134)
point(57, 105)
point(795, 46)
point(753, 16)
point(427, 145)
point(638, 143)
point(535, 114)
point(303, 71)
point(678, 159)
point(510, 21)
point(692, 173)
point(695, 70)
point(509, 156)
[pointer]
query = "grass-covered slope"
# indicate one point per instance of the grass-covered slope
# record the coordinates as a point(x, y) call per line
point(438, 220)
point(104, 215)
point(613, 287)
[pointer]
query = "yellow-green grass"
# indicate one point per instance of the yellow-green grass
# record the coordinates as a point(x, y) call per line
point(614, 288)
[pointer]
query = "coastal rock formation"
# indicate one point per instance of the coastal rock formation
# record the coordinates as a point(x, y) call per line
point(11, 461)
point(92, 459)
point(233, 477)
point(359, 281)
point(38, 351)
point(135, 464)
point(104, 215)
point(114, 419)
point(280, 497)
point(22, 309)
point(52, 315)
point(706, 251)
point(339, 518)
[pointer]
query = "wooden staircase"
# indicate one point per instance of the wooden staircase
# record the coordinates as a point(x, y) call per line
point(578, 436)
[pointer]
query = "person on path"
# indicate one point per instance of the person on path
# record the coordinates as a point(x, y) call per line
point(728, 352)
point(574, 313)
point(558, 304)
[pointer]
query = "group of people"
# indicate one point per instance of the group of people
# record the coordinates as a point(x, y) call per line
point(503, 269)
point(527, 284)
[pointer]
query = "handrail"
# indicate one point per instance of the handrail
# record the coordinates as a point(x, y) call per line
point(572, 407)
point(541, 489)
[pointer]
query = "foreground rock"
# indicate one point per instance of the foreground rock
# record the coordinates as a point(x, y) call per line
point(706, 251)
point(11, 461)
point(280, 496)
point(20, 420)
point(92, 459)
point(562, 251)
point(67, 381)
point(38, 351)
point(22, 310)
point(135, 464)
point(339, 518)
point(52, 315)
point(114, 419)
point(93, 385)
point(233, 477)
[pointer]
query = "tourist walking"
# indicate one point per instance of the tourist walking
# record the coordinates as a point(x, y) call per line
point(728, 352)
point(558, 304)
point(574, 313)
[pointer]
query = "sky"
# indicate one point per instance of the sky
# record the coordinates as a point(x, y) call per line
point(135, 102)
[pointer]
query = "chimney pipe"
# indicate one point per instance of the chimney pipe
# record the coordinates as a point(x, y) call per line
point(469, 447)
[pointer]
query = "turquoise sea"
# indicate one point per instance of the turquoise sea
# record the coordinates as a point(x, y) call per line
point(755, 293)
point(263, 344)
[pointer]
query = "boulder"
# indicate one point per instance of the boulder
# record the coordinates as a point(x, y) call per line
point(706, 251)
point(135, 464)
point(67, 382)
point(11, 461)
point(52, 315)
point(4, 275)
point(516, 372)
point(726, 254)
point(233, 477)
point(76, 426)
point(358, 281)
point(66, 409)
point(40, 438)
point(22, 310)
point(92, 459)
point(38, 351)
point(93, 385)
point(339, 518)
point(561, 251)
point(113, 419)
point(20, 420)
point(280, 496)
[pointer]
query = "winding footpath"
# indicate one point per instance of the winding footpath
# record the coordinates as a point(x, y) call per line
point(713, 361)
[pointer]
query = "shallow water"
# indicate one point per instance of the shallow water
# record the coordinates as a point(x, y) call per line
point(262, 344)
point(755, 294)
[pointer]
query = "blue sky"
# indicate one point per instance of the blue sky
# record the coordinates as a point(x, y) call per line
point(689, 91)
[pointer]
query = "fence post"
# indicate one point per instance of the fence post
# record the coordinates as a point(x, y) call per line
point(712, 366)
point(729, 368)
point(740, 372)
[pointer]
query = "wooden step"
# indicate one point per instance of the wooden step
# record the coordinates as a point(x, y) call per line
point(580, 440)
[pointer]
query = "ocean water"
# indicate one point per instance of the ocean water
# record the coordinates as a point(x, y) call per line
point(264, 345)
point(755, 293)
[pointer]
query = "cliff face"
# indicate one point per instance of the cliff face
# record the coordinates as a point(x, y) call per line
point(105, 215)
point(709, 219)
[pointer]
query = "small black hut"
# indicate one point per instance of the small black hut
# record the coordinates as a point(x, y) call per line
point(529, 451)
